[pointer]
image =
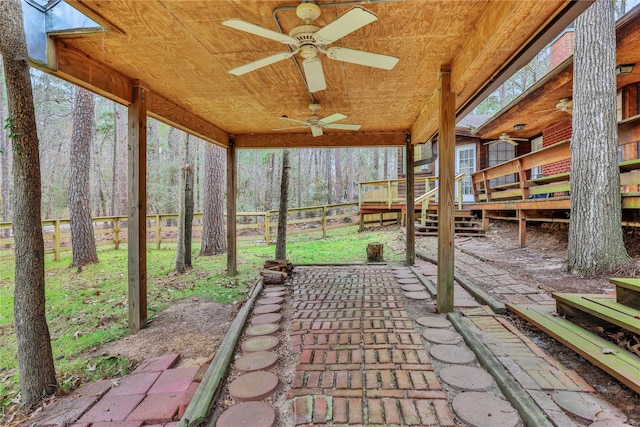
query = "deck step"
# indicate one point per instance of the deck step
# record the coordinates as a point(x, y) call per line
point(616, 361)
point(627, 291)
point(592, 308)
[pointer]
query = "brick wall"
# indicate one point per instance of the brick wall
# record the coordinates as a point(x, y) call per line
point(561, 49)
point(550, 136)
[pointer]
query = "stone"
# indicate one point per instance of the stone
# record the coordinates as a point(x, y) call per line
point(174, 380)
point(258, 361)
point(262, 329)
point(274, 294)
point(609, 423)
point(418, 295)
point(268, 308)
point(134, 384)
point(159, 363)
point(253, 386)
point(268, 301)
point(404, 275)
point(587, 407)
point(441, 336)
point(483, 410)
point(157, 408)
point(467, 378)
point(408, 281)
point(412, 288)
point(434, 321)
point(452, 354)
point(266, 318)
point(249, 414)
point(114, 408)
point(261, 343)
point(274, 288)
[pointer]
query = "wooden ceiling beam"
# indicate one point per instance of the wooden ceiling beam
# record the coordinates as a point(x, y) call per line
point(305, 140)
point(82, 70)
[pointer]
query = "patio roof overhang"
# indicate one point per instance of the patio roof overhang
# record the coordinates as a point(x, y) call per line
point(536, 106)
point(180, 52)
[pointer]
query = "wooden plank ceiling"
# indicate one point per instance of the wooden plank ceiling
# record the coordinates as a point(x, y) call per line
point(537, 106)
point(180, 51)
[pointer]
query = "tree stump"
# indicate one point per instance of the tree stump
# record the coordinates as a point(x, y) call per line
point(375, 252)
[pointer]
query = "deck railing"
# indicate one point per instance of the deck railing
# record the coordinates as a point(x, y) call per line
point(525, 187)
point(254, 227)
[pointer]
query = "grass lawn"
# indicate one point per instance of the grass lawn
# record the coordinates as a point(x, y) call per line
point(89, 307)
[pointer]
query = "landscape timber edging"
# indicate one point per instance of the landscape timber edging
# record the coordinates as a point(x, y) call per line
point(477, 293)
point(531, 414)
point(209, 388)
point(426, 282)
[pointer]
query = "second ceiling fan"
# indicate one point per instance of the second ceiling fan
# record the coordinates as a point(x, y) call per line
point(309, 40)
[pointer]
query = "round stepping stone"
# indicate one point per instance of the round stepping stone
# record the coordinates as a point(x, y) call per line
point(262, 329)
point(274, 289)
point(266, 318)
point(249, 414)
point(587, 407)
point(272, 300)
point(412, 288)
point(269, 308)
point(483, 410)
point(441, 336)
point(400, 268)
point(467, 378)
point(452, 354)
point(261, 343)
point(258, 361)
point(253, 386)
point(417, 295)
point(274, 294)
point(405, 275)
point(433, 321)
point(408, 281)
point(609, 423)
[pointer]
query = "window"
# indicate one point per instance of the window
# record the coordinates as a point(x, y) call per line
point(500, 153)
point(619, 106)
point(536, 144)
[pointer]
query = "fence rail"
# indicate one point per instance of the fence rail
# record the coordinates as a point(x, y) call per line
point(254, 227)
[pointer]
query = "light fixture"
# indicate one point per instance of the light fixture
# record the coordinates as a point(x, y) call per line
point(519, 126)
point(624, 69)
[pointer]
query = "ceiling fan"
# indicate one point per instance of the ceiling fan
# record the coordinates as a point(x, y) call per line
point(505, 138)
point(309, 39)
point(317, 123)
point(564, 105)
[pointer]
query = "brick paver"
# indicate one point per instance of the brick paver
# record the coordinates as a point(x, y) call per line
point(359, 348)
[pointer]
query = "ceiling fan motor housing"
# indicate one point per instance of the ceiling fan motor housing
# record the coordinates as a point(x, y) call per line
point(308, 11)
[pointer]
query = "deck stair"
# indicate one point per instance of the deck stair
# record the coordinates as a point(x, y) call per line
point(576, 312)
point(466, 224)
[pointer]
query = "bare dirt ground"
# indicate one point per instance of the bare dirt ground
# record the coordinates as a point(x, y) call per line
point(542, 264)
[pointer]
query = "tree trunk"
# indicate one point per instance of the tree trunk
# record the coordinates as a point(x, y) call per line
point(329, 183)
point(299, 186)
point(350, 190)
point(213, 235)
point(376, 164)
point(385, 164)
point(281, 242)
point(114, 161)
point(122, 159)
point(185, 219)
point(83, 239)
point(35, 359)
point(595, 231)
point(339, 182)
point(5, 151)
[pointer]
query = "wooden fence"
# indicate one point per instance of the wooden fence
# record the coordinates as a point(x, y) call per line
point(252, 227)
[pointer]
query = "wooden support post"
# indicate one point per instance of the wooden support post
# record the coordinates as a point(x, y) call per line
point(446, 208)
point(232, 177)
point(359, 195)
point(460, 194)
point(522, 229)
point(485, 221)
point(522, 177)
point(158, 233)
point(116, 233)
point(389, 198)
point(137, 199)
point(267, 227)
point(411, 209)
point(56, 240)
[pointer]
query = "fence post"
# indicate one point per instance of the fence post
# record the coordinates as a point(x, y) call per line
point(56, 240)
point(116, 233)
point(359, 195)
point(158, 231)
point(267, 228)
point(389, 198)
point(324, 221)
point(460, 194)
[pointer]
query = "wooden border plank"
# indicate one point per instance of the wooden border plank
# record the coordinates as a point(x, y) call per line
point(306, 140)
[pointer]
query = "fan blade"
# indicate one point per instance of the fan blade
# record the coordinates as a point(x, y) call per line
point(303, 122)
point(248, 27)
point(346, 24)
point(252, 66)
point(495, 141)
point(360, 57)
point(343, 126)
point(316, 130)
point(314, 74)
point(333, 118)
point(520, 139)
point(512, 142)
point(293, 127)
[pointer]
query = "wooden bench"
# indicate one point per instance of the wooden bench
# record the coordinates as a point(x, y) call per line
point(588, 308)
point(627, 291)
point(616, 361)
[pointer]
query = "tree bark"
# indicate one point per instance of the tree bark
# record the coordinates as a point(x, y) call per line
point(376, 163)
point(213, 233)
point(595, 231)
point(35, 359)
point(350, 190)
point(83, 239)
point(281, 242)
point(339, 183)
point(328, 169)
point(5, 152)
point(185, 220)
